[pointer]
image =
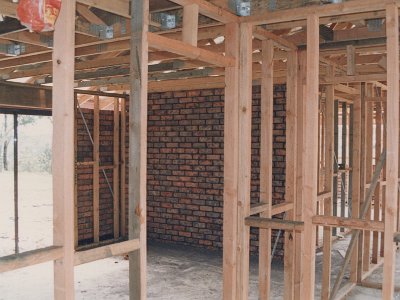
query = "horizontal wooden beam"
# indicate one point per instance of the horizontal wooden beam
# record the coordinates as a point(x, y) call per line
point(353, 79)
point(266, 223)
point(83, 257)
point(210, 10)
point(23, 96)
point(162, 43)
point(323, 195)
point(118, 7)
point(329, 10)
point(8, 8)
point(375, 285)
point(275, 210)
point(352, 223)
point(263, 34)
point(30, 258)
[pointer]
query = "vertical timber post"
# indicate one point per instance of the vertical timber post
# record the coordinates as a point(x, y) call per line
point(291, 168)
point(266, 153)
point(298, 205)
point(392, 146)
point(138, 146)
point(63, 150)
point(244, 176)
point(329, 137)
point(231, 157)
point(310, 154)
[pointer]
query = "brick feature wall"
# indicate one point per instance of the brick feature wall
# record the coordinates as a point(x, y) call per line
point(185, 165)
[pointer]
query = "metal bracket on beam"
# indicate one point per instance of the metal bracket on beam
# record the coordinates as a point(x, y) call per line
point(12, 49)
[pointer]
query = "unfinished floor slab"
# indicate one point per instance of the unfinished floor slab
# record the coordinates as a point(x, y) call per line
point(174, 272)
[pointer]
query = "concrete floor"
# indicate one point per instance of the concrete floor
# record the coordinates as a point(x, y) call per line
point(179, 273)
point(187, 273)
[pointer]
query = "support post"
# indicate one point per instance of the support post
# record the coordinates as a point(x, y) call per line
point(291, 169)
point(190, 24)
point(123, 168)
point(392, 166)
point(96, 169)
point(231, 157)
point(310, 154)
point(298, 205)
point(356, 178)
point(329, 138)
point(244, 177)
point(138, 146)
point(266, 154)
point(116, 164)
point(63, 150)
point(16, 200)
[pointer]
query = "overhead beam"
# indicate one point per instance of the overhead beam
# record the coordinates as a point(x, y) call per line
point(210, 10)
point(329, 10)
point(8, 8)
point(187, 50)
point(263, 34)
point(23, 96)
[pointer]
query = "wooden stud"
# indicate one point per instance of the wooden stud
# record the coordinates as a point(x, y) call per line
point(76, 231)
point(244, 152)
point(343, 162)
point(123, 168)
point(231, 157)
point(266, 154)
point(351, 60)
point(310, 152)
point(116, 172)
point(329, 137)
point(392, 168)
point(96, 169)
point(360, 248)
point(138, 146)
point(335, 160)
point(356, 177)
point(190, 24)
point(368, 173)
point(291, 169)
point(63, 151)
point(298, 205)
point(377, 196)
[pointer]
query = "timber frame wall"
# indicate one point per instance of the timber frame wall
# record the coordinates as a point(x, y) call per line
point(304, 89)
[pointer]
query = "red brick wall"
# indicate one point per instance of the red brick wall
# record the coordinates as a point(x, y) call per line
point(185, 164)
point(185, 167)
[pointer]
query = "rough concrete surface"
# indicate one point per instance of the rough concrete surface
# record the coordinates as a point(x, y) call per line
point(174, 272)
